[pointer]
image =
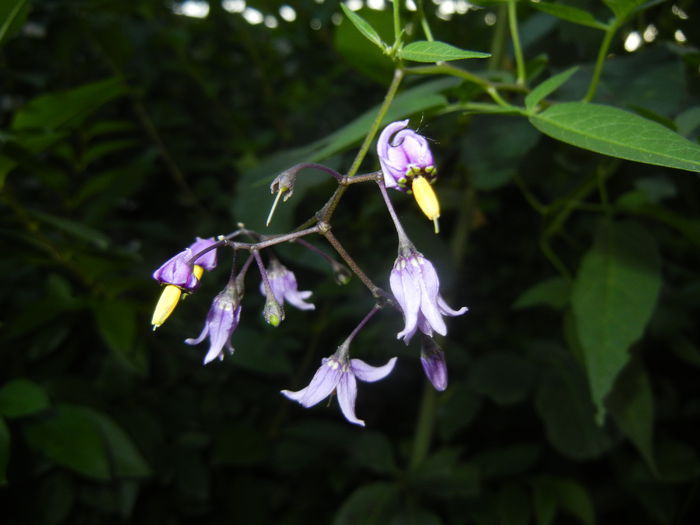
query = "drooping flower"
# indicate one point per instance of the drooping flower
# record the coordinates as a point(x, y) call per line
point(222, 320)
point(180, 273)
point(284, 287)
point(339, 373)
point(407, 165)
point(433, 360)
point(180, 270)
point(416, 287)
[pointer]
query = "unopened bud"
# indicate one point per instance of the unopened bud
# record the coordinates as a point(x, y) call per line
point(273, 312)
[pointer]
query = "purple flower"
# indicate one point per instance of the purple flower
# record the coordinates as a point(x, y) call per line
point(433, 360)
point(284, 287)
point(416, 287)
point(340, 373)
point(184, 273)
point(222, 320)
point(404, 155)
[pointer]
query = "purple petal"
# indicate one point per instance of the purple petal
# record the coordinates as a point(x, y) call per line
point(426, 277)
point(208, 260)
point(369, 373)
point(446, 310)
point(347, 393)
point(409, 289)
point(200, 338)
point(325, 380)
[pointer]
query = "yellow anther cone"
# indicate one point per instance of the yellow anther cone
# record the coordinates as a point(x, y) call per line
point(427, 200)
point(166, 304)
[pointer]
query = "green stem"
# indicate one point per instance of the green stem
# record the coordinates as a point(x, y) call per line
point(499, 40)
point(515, 36)
point(388, 99)
point(397, 24)
point(424, 22)
point(602, 53)
point(424, 426)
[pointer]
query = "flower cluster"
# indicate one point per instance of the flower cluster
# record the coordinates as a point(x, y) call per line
point(407, 166)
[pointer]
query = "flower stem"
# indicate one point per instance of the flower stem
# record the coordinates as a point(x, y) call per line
point(515, 36)
point(397, 23)
point(424, 22)
point(376, 291)
point(403, 238)
point(362, 323)
point(424, 426)
point(602, 53)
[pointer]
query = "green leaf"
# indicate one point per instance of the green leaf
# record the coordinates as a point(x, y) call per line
point(116, 322)
point(4, 451)
point(425, 51)
point(12, 14)
point(72, 438)
point(553, 292)
point(21, 397)
point(563, 402)
point(125, 459)
point(67, 108)
point(504, 377)
point(623, 8)
point(612, 131)
point(363, 27)
point(76, 229)
point(613, 297)
point(631, 405)
point(373, 504)
point(551, 493)
point(569, 13)
point(547, 87)
point(513, 505)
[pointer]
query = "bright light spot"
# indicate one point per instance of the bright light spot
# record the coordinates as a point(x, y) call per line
point(411, 5)
point(447, 7)
point(461, 6)
point(315, 24)
point(633, 41)
point(490, 19)
point(679, 12)
point(233, 6)
point(319, 1)
point(271, 21)
point(192, 8)
point(336, 18)
point(354, 5)
point(679, 36)
point(252, 16)
point(377, 5)
point(288, 13)
point(650, 33)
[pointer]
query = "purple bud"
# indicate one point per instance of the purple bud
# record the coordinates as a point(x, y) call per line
point(433, 360)
point(222, 319)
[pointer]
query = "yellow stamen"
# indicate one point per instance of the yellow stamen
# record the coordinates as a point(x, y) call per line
point(427, 200)
point(274, 204)
point(198, 271)
point(166, 304)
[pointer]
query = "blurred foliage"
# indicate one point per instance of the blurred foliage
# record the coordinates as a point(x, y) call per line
point(570, 230)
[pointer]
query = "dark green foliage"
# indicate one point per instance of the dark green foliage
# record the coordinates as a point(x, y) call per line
point(569, 227)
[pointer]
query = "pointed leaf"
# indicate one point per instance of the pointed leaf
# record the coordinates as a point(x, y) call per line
point(547, 87)
point(12, 14)
point(631, 404)
point(612, 131)
point(424, 51)
point(72, 438)
point(373, 504)
point(570, 14)
point(553, 292)
point(21, 397)
point(623, 8)
point(613, 297)
point(363, 27)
